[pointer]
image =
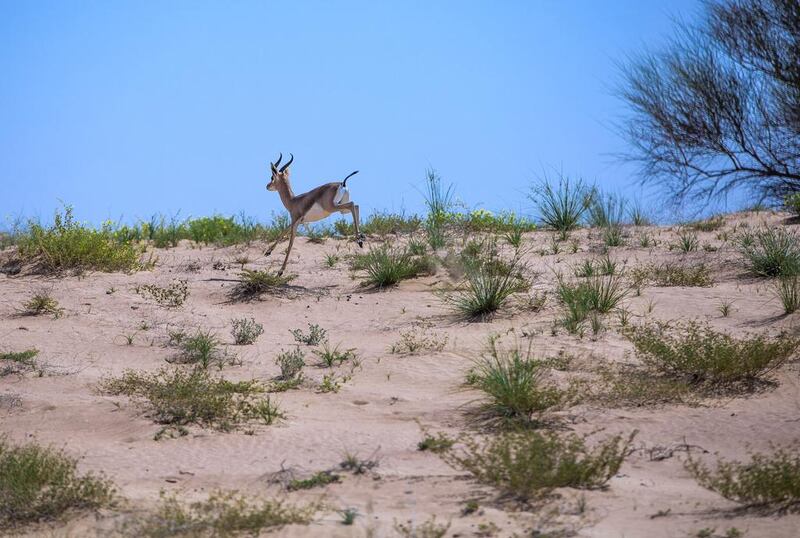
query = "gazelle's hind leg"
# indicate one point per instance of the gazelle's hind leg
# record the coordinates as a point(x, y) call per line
point(278, 240)
point(352, 208)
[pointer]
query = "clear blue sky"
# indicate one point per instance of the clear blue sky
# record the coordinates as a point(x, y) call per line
point(126, 109)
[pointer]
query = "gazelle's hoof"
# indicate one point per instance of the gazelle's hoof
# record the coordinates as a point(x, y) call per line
point(280, 273)
point(267, 252)
point(360, 240)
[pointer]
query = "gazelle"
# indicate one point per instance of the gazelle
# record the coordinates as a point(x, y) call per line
point(310, 206)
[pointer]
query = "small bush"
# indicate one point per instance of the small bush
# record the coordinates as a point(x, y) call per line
point(700, 355)
point(39, 483)
point(171, 296)
point(322, 478)
point(436, 444)
point(771, 251)
point(245, 331)
point(528, 465)
point(291, 364)
point(513, 384)
point(316, 335)
point(17, 362)
point(254, 284)
point(687, 241)
point(670, 274)
point(179, 397)
point(331, 356)
point(68, 244)
point(386, 266)
point(417, 340)
point(223, 514)
point(42, 303)
point(767, 480)
point(561, 206)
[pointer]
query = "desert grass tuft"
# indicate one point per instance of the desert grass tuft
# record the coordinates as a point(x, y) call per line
point(561, 205)
point(41, 303)
point(253, 284)
point(332, 356)
point(771, 251)
point(181, 397)
point(787, 288)
point(769, 481)
point(202, 349)
point(528, 464)
point(39, 483)
point(386, 266)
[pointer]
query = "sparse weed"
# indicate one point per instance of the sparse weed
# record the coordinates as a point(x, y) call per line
point(17, 362)
point(245, 331)
point(291, 364)
point(418, 339)
point(316, 335)
point(172, 296)
point(436, 444)
point(322, 478)
point(671, 274)
point(42, 303)
point(253, 284)
point(39, 483)
point(428, 529)
point(725, 307)
point(529, 464)
point(711, 224)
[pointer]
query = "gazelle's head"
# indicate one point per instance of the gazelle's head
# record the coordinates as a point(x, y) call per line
point(279, 175)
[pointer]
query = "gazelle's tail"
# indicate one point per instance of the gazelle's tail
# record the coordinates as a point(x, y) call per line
point(344, 181)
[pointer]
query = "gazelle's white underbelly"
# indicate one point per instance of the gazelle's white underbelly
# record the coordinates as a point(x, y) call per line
point(317, 212)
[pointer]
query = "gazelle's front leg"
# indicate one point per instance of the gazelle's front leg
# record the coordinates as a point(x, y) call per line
point(352, 208)
point(293, 229)
point(278, 240)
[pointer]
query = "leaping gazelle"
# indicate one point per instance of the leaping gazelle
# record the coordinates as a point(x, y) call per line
point(310, 206)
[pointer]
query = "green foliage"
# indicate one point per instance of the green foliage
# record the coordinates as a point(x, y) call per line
point(787, 288)
point(792, 203)
point(767, 480)
point(687, 241)
point(41, 303)
point(180, 397)
point(381, 225)
point(595, 294)
point(171, 296)
point(637, 214)
point(39, 483)
point(771, 251)
point(513, 384)
point(711, 224)
point(698, 354)
point(223, 514)
point(23, 357)
point(316, 335)
point(529, 464)
point(436, 444)
point(291, 364)
point(68, 244)
point(322, 478)
point(202, 349)
point(331, 356)
point(439, 201)
point(605, 210)
point(245, 331)
point(604, 266)
point(561, 206)
point(254, 284)
point(386, 266)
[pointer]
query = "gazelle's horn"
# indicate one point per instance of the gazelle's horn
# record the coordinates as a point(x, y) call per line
point(285, 166)
point(276, 163)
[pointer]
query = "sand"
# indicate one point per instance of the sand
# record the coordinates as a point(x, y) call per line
point(379, 413)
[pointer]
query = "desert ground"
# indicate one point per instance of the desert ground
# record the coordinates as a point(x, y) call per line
point(388, 401)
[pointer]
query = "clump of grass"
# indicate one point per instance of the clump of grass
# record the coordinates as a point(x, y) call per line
point(606, 210)
point(687, 241)
point(672, 274)
point(529, 464)
point(637, 214)
point(40, 303)
point(331, 260)
point(202, 349)
point(766, 481)
point(180, 397)
point(291, 364)
point(223, 514)
point(439, 201)
point(331, 356)
point(513, 384)
point(417, 340)
point(245, 331)
point(15, 362)
point(322, 478)
point(428, 529)
point(604, 266)
point(68, 244)
point(699, 355)
point(489, 281)
point(787, 288)
point(771, 251)
point(39, 483)
point(435, 443)
point(316, 335)
point(513, 236)
point(594, 295)
point(386, 266)
point(171, 296)
point(561, 206)
point(355, 464)
point(253, 284)
point(711, 224)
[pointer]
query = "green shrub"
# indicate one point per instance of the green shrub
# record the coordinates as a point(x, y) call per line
point(436, 444)
point(771, 251)
point(529, 464)
point(245, 331)
point(68, 244)
point(316, 335)
point(39, 483)
point(381, 225)
point(41, 303)
point(180, 397)
point(17, 362)
point(767, 480)
point(700, 355)
point(322, 478)
point(637, 214)
point(291, 364)
point(254, 284)
point(386, 266)
point(202, 349)
point(223, 514)
point(512, 383)
point(561, 206)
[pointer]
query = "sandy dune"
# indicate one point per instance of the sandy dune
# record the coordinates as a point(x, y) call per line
point(380, 410)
